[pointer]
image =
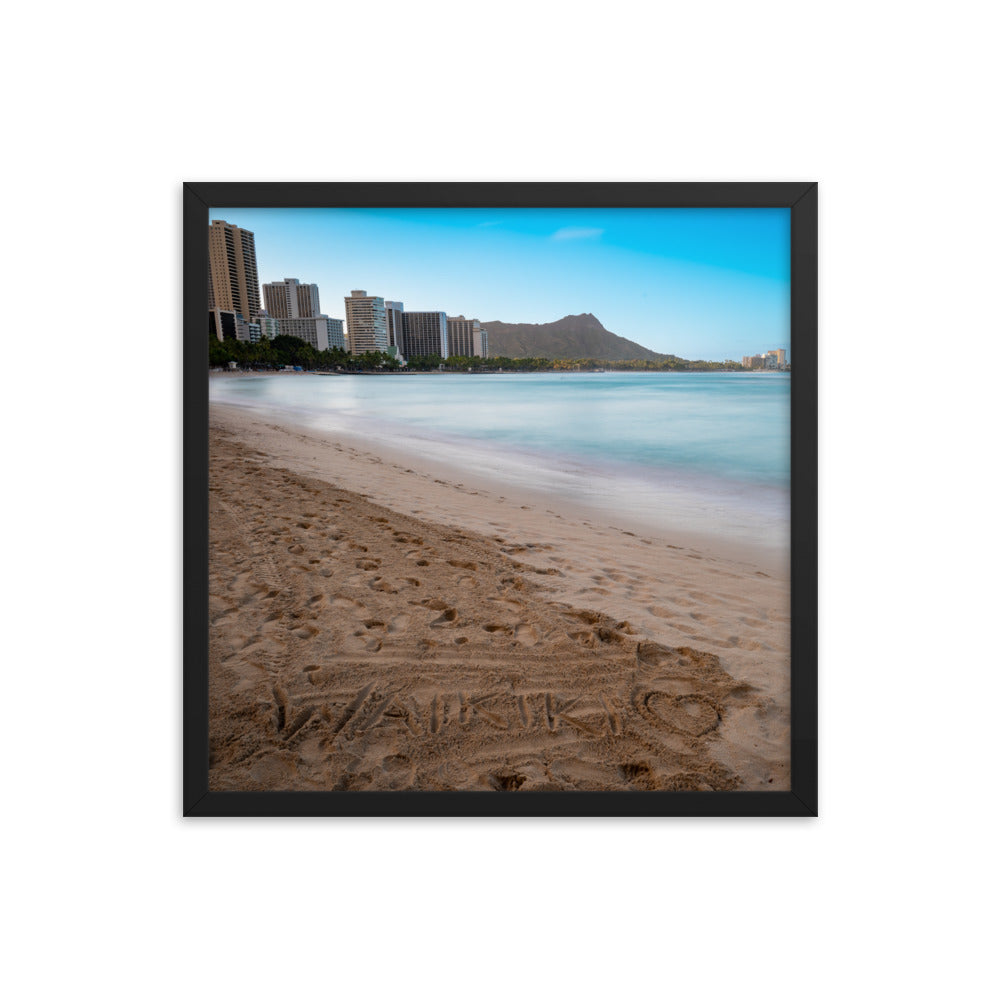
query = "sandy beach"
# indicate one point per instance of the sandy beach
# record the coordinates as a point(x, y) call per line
point(379, 622)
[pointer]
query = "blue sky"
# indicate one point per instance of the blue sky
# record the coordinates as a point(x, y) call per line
point(699, 283)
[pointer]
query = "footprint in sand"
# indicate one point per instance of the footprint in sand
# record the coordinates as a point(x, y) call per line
point(748, 644)
point(457, 774)
point(348, 604)
point(397, 771)
point(399, 623)
point(653, 655)
point(705, 598)
point(594, 639)
point(639, 774)
point(361, 642)
point(507, 603)
point(526, 634)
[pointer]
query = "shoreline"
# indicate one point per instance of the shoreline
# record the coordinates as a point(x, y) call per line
point(263, 373)
point(727, 605)
point(684, 507)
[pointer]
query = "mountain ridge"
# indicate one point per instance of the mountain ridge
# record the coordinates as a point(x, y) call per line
point(573, 336)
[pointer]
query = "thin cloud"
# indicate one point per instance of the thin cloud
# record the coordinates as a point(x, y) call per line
point(576, 233)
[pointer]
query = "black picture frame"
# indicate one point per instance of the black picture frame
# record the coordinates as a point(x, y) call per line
point(801, 199)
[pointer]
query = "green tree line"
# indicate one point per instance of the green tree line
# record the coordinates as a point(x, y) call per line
point(267, 355)
point(461, 363)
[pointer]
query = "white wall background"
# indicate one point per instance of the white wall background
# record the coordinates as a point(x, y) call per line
point(891, 107)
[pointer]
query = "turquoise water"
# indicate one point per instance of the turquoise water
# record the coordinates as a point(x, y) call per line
point(715, 444)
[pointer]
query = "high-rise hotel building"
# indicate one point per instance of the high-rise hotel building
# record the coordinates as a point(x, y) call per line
point(394, 323)
point(366, 323)
point(322, 332)
point(466, 338)
point(233, 285)
point(425, 333)
point(289, 299)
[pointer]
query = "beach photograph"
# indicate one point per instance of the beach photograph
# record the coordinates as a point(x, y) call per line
point(618, 663)
point(499, 499)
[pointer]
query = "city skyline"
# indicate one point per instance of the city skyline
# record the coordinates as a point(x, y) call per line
point(704, 284)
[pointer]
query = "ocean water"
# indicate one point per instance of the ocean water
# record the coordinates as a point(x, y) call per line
point(699, 450)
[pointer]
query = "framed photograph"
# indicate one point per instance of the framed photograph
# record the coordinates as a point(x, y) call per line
point(500, 499)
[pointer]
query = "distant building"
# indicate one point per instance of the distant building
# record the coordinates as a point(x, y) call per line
point(425, 333)
point(268, 326)
point(772, 360)
point(335, 332)
point(466, 338)
point(222, 324)
point(367, 329)
point(233, 285)
point(247, 330)
point(322, 332)
point(290, 299)
point(394, 322)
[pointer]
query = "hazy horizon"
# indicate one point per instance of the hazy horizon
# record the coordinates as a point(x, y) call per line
point(701, 283)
